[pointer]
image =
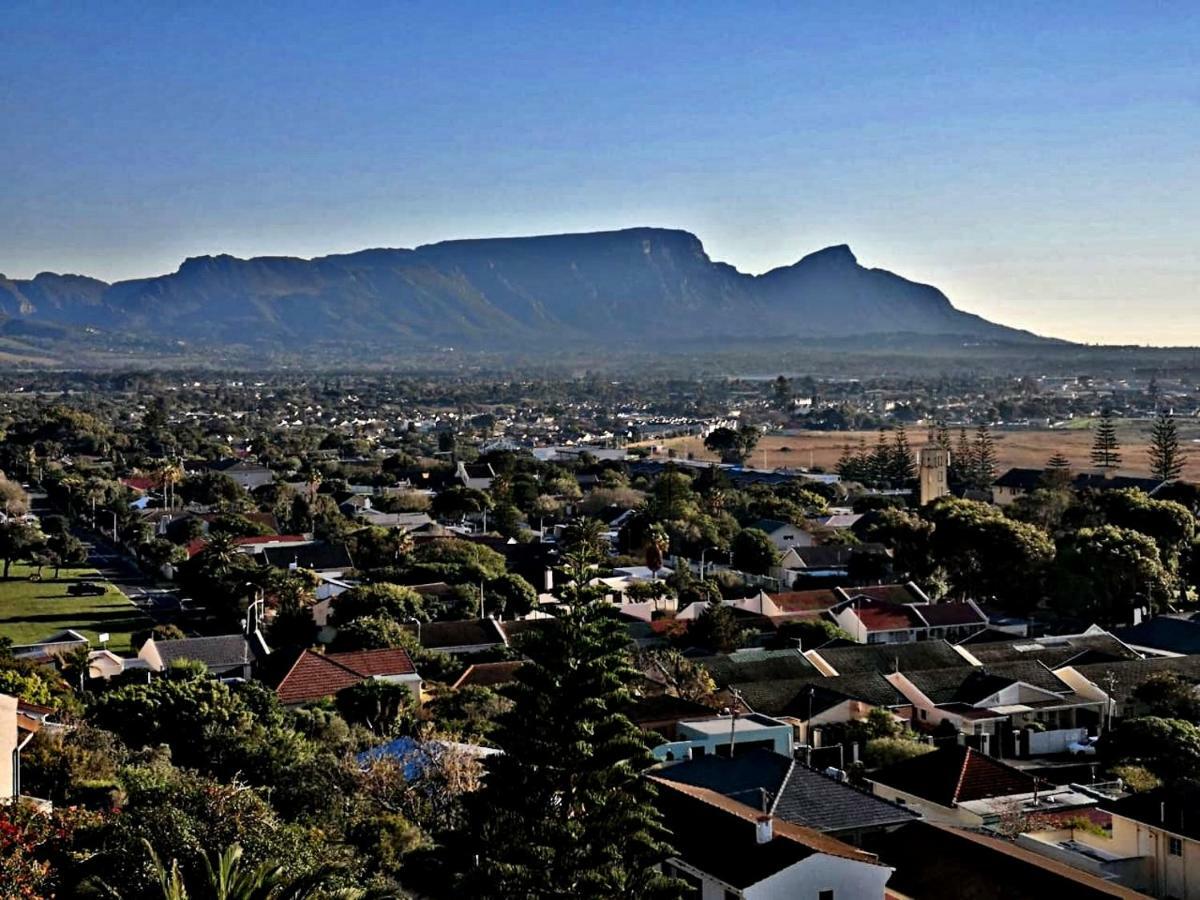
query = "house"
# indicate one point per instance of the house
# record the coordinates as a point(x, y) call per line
point(809, 703)
point(1163, 636)
point(16, 730)
point(1162, 829)
point(792, 791)
point(317, 556)
point(1053, 651)
point(52, 646)
point(462, 637)
point(824, 560)
point(869, 620)
point(939, 862)
point(489, 675)
point(756, 665)
point(887, 658)
point(660, 714)
point(248, 475)
point(475, 475)
point(726, 850)
point(313, 676)
point(725, 735)
point(225, 655)
point(1113, 684)
point(1016, 483)
point(784, 535)
point(1010, 708)
point(959, 786)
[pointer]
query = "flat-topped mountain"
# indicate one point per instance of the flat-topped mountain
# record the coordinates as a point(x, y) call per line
point(646, 286)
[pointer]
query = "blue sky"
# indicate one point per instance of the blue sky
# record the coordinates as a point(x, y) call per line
point(1040, 163)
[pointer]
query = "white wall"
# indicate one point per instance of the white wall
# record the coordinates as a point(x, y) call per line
point(847, 878)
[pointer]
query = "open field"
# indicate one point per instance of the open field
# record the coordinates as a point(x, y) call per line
point(1016, 447)
point(32, 610)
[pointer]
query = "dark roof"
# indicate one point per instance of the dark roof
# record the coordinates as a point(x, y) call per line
point(656, 708)
point(1164, 633)
point(489, 674)
point(792, 791)
point(718, 836)
point(953, 775)
point(756, 665)
point(463, 633)
point(973, 684)
point(790, 697)
point(1131, 673)
point(1174, 810)
point(1097, 482)
point(944, 615)
point(317, 556)
point(1054, 652)
point(1021, 479)
point(886, 658)
point(936, 862)
point(219, 651)
point(831, 556)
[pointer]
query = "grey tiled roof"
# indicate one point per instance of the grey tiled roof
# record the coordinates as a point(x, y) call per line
point(789, 697)
point(1128, 674)
point(756, 665)
point(215, 652)
point(887, 658)
point(973, 684)
point(790, 790)
point(1054, 652)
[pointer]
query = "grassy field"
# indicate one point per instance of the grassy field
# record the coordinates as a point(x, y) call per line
point(32, 610)
point(1018, 447)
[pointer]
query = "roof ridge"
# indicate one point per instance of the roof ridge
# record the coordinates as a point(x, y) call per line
point(787, 776)
point(962, 774)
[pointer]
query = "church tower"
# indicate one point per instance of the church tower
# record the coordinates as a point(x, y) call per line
point(934, 474)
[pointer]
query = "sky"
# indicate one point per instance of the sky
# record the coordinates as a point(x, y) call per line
point(1038, 162)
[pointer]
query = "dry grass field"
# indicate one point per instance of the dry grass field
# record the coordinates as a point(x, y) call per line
point(1018, 447)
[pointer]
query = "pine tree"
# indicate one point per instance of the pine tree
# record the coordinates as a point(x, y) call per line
point(903, 466)
point(983, 458)
point(564, 812)
point(1166, 456)
point(881, 461)
point(961, 461)
point(1105, 447)
point(942, 437)
point(1058, 462)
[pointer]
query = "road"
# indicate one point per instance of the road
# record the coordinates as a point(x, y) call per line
point(159, 602)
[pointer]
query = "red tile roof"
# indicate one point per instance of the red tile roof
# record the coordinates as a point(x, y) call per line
point(270, 539)
point(955, 775)
point(314, 676)
point(805, 601)
point(142, 484)
point(489, 674)
point(879, 615)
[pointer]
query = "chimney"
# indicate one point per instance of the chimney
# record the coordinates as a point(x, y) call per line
point(763, 829)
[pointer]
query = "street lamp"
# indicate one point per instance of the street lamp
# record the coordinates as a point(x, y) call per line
point(702, 552)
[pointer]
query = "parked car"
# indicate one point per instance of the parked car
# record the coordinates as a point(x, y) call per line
point(1086, 747)
point(85, 589)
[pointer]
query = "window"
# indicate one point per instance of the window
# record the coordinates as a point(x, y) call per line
point(924, 714)
point(825, 895)
point(1175, 846)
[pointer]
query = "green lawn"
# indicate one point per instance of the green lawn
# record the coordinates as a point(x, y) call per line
point(32, 610)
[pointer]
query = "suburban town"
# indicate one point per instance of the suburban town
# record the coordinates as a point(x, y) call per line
point(380, 631)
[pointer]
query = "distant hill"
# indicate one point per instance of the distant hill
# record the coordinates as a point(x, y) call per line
point(639, 286)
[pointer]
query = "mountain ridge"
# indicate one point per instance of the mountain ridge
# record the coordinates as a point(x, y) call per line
point(639, 285)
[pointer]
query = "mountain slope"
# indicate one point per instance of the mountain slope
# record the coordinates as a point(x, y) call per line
point(640, 285)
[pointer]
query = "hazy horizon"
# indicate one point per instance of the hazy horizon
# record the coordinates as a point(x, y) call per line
point(1038, 166)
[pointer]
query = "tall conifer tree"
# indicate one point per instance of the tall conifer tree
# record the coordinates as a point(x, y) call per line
point(1105, 446)
point(565, 811)
point(1166, 456)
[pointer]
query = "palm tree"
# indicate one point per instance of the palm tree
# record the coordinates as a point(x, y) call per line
point(657, 545)
point(169, 474)
point(225, 878)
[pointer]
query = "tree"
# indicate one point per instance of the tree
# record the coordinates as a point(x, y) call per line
point(511, 595)
point(1104, 572)
point(1168, 696)
point(682, 677)
point(67, 550)
point(962, 465)
point(717, 629)
point(909, 537)
point(585, 535)
point(18, 540)
point(732, 445)
point(1166, 455)
point(1058, 462)
point(1170, 748)
point(983, 458)
point(375, 703)
point(657, 545)
point(903, 466)
point(458, 501)
point(564, 811)
point(1105, 446)
point(753, 551)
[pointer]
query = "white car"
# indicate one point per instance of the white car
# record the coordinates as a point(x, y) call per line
point(1086, 747)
